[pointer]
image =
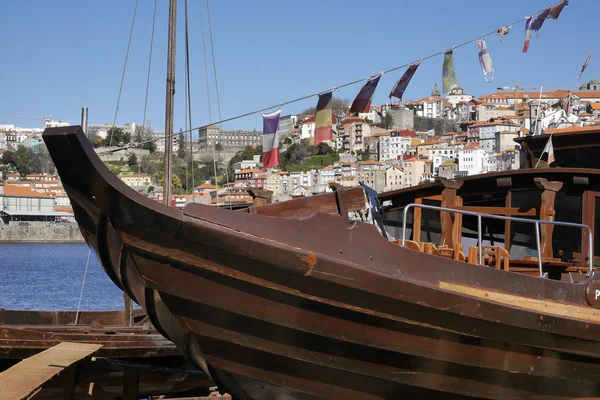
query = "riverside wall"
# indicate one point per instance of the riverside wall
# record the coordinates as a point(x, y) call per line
point(40, 232)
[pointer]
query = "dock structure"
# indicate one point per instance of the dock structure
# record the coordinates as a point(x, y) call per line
point(25, 379)
point(63, 372)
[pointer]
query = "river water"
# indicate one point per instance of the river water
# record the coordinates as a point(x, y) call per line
point(50, 276)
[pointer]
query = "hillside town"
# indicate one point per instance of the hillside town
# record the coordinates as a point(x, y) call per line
point(391, 147)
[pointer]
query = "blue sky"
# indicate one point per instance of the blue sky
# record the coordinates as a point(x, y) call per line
point(61, 55)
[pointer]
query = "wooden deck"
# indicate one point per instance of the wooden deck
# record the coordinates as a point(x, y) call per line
point(26, 378)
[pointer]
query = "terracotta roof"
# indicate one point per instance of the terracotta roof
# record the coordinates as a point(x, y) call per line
point(407, 133)
point(508, 132)
point(472, 146)
point(573, 129)
point(248, 171)
point(595, 105)
point(64, 209)
point(21, 191)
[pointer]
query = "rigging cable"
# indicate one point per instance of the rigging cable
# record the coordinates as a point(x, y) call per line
point(148, 77)
point(87, 264)
point(123, 75)
point(212, 49)
point(296, 100)
point(208, 91)
point(189, 98)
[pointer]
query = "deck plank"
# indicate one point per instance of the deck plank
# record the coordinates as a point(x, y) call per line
point(26, 378)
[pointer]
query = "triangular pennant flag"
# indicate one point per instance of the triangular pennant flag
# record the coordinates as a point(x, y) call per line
point(585, 64)
point(556, 10)
point(550, 150)
point(323, 118)
point(270, 151)
point(485, 60)
point(448, 74)
point(362, 102)
point(402, 84)
point(527, 34)
point(539, 20)
point(503, 32)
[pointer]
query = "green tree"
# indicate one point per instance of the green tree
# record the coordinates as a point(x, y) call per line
point(150, 189)
point(132, 161)
point(9, 158)
point(24, 160)
point(323, 148)
point(116, 137)
point(181, 151)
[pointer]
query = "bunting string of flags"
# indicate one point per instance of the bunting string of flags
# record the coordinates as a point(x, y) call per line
point(503, 32)
point(449, 81)
point(323, 118)
point(527, 34)
point(485, 60)
point(402, 84)
point(362, 102)
point(270, 148)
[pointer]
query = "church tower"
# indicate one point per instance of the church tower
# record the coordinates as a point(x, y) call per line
point(435, 92)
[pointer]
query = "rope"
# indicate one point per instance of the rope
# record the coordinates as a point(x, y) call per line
point(123, 75)
point(189, 99)
point(87, 264)
point(149, 68)
point(207, 88)
point(144, 133)
point(212, 49)
point(348, 83)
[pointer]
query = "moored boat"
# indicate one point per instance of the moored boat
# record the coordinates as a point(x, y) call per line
point(298, 300)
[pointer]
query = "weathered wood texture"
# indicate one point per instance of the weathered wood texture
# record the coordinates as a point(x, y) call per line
point(26, 378)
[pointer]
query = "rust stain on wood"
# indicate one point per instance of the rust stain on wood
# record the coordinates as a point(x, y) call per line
point(309, 261)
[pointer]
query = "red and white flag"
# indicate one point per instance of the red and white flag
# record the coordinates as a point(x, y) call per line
point(527, 34)
point(362, 102)
point(270, 154)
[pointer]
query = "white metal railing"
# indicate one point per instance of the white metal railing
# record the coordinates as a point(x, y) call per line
point(479, 216)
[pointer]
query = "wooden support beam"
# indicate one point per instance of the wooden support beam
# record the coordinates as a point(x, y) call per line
point(417, 221)
point(24, 379)
point(547, 213)
point(93, 391)
point(131, 383)
point(450, 199)
point(69, 378)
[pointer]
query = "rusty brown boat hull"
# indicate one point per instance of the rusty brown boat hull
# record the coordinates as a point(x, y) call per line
point(312, 308)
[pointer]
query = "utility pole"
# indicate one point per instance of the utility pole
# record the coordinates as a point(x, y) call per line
point(170, 101)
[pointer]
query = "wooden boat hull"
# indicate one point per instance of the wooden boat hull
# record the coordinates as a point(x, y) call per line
point(314, 308)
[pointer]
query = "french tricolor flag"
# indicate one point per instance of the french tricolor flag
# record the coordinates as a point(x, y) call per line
point(270, 155)
point(527, 34)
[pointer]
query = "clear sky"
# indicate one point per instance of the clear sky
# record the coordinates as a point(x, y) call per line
point(58, 56)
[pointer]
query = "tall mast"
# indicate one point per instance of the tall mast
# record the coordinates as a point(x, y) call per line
point(170, 102)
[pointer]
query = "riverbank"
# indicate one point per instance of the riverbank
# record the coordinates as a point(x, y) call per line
point(40, 232)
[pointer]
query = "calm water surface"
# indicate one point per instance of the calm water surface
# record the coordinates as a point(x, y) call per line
point(49, 277)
